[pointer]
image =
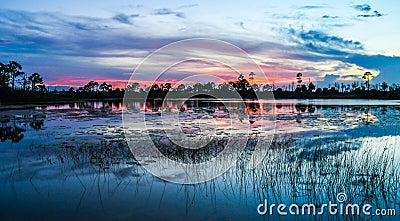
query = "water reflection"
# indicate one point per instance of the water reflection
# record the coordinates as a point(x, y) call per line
point(13, 125)
point(290, 118)
point(112, 104)
point(75, 154)
point(11, 131)
point(105, 181)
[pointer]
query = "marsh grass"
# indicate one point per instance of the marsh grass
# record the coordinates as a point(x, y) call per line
point(294, 171)
point(318, 174)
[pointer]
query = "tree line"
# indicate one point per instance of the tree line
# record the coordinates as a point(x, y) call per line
point(11, 75)
point(17, 85)
point(297, 89)
point(15, 82)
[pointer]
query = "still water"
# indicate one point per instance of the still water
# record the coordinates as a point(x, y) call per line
point(72, 161)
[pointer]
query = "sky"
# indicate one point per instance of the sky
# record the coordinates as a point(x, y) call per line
point(72, 42)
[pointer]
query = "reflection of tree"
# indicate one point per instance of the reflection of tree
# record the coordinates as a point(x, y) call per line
point(37, 122)
point(12, 128)
point(11, 132)
point(367, 118)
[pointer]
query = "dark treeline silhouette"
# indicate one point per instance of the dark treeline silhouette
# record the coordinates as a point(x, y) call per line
point(18, 86)
point(357, 89)
point(360, 89)
point(12, 76)
point(240, 88)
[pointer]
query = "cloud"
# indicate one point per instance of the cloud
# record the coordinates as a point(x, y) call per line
point(124, 19)
point(188, 6)
point(330, 17)
point(366, 8)
point(363, 7)
point(167, 11)
point(388, 66)
point(374, 14)
point(311, 7)
point(71, 35)
point(63, 46)
point(315, 46)
point(329, 78)
point(320, 42)
point(351, 77)
point(241, 24)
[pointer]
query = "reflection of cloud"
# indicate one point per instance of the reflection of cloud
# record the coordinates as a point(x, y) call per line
point(368, 118)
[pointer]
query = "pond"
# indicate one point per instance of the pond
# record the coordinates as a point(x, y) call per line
point(73, 160)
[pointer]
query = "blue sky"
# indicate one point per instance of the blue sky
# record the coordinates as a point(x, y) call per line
point(70, 43)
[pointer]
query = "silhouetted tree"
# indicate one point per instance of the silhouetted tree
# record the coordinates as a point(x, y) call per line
point(166, 87)
point(209, 86)
point(91, 86)
point(367, 76)
point(133, 87)
point(35, 79)
point(267, 87)
point(13, 68)
point(105, 87)
point(197, 87)
point(384, 86)
point(241, 84)
point(4, 77)
point(298, 78)
point(154, 87)
point(311, 87)
point(181, 88)
point(25, 82)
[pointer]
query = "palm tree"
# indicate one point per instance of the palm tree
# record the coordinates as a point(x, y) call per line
point(298, 78)
point(367, 76)
point(13, 68)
